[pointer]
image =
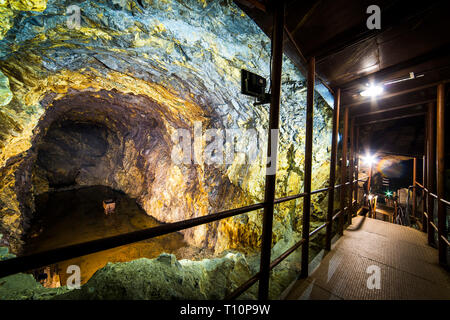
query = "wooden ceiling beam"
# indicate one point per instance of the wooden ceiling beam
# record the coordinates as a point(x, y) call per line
point(398, 93)
point(259, 5)
point(405, 106)
point(410, 155)
point(395, 15)
point(305, 17)
point(379, 76)
point(392, 119)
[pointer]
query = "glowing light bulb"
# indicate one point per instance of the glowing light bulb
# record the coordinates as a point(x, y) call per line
point(372, 91)
point(369, 159)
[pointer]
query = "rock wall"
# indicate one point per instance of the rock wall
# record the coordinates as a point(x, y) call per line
point(99, 102)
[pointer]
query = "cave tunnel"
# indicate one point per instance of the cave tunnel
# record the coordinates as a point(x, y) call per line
point(206, 150)
point(76, 157)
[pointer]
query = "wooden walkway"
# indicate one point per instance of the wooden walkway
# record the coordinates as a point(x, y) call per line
point(407, 266)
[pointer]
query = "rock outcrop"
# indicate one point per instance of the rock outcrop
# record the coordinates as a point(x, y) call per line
point(163, 278)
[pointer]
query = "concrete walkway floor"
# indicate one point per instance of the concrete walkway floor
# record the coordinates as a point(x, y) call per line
point(376, 260)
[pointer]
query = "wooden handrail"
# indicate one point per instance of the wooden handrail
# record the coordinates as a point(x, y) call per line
point(41, 259)
point(245, 286)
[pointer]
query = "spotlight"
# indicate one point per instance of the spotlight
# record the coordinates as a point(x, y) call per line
point(372, 91)
point(369, 159)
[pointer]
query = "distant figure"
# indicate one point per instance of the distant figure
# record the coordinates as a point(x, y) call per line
point(109, 205)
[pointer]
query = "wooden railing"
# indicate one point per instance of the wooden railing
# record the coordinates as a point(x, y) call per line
point(429, 225)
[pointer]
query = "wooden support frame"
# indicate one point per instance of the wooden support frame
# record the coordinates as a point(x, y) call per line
point(440, 173)
point(395, 94)
point(414, 202)
point(274, 118)
point(405, 106)
point(425, 185)
point(357, 164)
point(343, 173)
point(430, 169)
point(351, 171)
point(308, 167)
point(379, 76)
point(393, 15)
point(333, 161)
point(393, 118)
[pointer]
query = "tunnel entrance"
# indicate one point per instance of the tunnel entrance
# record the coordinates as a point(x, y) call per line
point(75, 216)
point(74, 153)
point(75, 180)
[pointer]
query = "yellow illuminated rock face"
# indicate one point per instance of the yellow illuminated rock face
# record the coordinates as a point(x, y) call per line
point(137, 73)
point(27, 5)
point(11, 217)
point(6, 18)
point(5, 92)
point(10, 8)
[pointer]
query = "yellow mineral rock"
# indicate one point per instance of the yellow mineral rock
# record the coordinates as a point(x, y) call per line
point(28, 5)
point(5, 93)
point(6, 20)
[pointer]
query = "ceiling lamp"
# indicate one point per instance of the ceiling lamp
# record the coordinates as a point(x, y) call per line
point(369, 159)
point(372, 91)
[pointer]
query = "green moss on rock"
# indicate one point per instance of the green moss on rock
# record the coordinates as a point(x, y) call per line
point(5, 92)
point(163, 278)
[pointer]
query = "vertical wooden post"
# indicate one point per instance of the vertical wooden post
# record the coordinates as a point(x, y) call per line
point(395, 210)
point(343, 172)
point(371, 214)
point(308, 166)
point(357, 164)
point(414, 204)
point(351, 170)
point(269, 195)
point(430, 169)
point(440, 173)
point(334, 138)
point(424, 194)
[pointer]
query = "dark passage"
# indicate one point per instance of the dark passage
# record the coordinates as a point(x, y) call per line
point(68, 148)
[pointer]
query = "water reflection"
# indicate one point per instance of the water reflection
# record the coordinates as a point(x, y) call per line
point(75, 216)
